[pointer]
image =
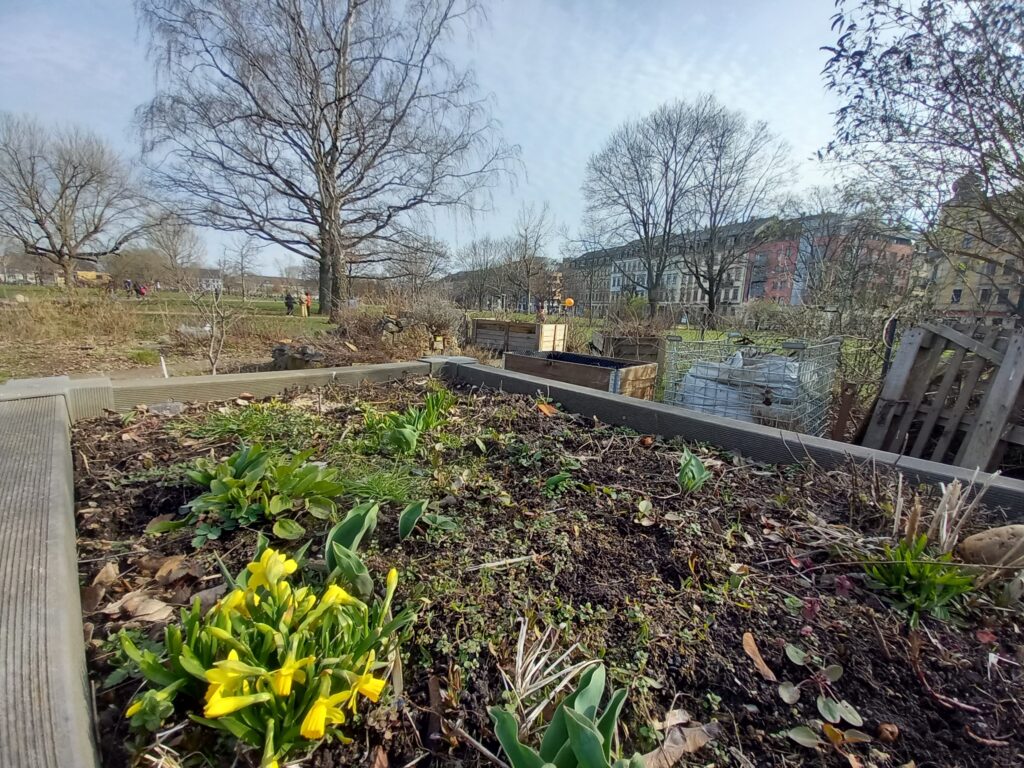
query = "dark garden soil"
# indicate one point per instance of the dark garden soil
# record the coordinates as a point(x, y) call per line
point(662, 592)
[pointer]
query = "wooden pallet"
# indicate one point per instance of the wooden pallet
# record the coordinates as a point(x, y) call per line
point(953, 395)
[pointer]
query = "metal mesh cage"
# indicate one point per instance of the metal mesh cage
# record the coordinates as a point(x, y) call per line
point(781, 383)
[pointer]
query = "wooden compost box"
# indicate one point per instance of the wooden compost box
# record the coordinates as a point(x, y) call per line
point(609, 374)
point(508, 336)
point(645, 348)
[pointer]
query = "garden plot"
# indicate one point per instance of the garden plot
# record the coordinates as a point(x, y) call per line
point(495, 554)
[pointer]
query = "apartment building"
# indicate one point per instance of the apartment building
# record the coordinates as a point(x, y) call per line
point(977, 272)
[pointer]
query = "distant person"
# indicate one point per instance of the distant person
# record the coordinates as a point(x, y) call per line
point(139, 293)
point(307, 305)
point(128, 287)
point(289, 303)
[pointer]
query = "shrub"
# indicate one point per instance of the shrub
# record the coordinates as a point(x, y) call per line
point(920, 583)
point(579, 733)
point(277, 666)
point(253, 485)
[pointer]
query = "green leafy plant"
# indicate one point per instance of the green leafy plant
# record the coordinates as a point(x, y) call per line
point(253, 486)
point(806, 736)
point(558, 484)
point(341, 544)
point(917, 582)
point(416, 513)
point(278, 665)
point(400, 431)
point(822, 678)
point(692, 472)
point(580, 732)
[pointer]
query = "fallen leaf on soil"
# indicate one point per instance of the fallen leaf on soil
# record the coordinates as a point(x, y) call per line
point(986, 636)
point(208, 597)
point(139, 605)
point(108, 575)
point(172, 569)
point(352, 347)
point(87, 630)
point(646, 441)
point(678, 742)
point(380, 758)
point(547, 410)
point(672, 718)
point(739, 569)
point(91, 597)
point(751, 649)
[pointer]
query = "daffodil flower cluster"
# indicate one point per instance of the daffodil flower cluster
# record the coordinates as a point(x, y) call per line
point(278, 665)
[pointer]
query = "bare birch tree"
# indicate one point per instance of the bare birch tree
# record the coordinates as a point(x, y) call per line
point(65, 195)
point(318, 125)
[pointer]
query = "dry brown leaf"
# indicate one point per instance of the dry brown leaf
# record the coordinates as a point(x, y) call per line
point(547, 409)
point(352, 347)
point(672, 718)
point(139, 605)
point(678, 742)
point(379, 759)
point(172, 569)
point(108, 575)
point(750, 647)
point(91, 597)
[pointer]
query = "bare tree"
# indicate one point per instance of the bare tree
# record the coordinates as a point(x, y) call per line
point(415, 262)
point(639, 190)
point(480, 271)
point(240, 258)
point(933, 101)
point(65, 195)
point(524, 262)
point(854, 252)
point(178, 244)
point(319, 125)
point(742, 169)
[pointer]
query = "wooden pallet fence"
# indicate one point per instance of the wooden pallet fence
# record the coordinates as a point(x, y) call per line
point(953, 394)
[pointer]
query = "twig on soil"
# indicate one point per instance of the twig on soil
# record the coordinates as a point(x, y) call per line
point(416, 760)
point(508, 561)
point(881, 639)
point(946, 701)
point(476, 744)
point(983, 740)
point(114, 555)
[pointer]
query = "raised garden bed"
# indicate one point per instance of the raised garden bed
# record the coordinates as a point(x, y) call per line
point(608, 374)
point(539, 514)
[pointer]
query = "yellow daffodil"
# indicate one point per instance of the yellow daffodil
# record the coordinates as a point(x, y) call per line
point(270, 569)
point(335, 595)
point(219, 705)
point(133, 709)
point(234, 601)
point(229, 676)
point(291, 670)
point(371, 687)
point(324, 711)
point(392, 580)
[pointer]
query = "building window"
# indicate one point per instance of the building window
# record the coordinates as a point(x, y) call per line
point(985, 296)
point(1004, 295)
point(968, 241)
point(990, 268)
point(957, 293)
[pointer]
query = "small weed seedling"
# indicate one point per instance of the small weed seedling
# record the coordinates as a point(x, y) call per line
point(831, 707)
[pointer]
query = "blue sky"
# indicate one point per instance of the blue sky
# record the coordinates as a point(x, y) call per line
point(562, 74)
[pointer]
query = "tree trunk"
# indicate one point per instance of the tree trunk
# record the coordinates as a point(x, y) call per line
point(68, 266)
point(337, 284)
point(324, 285)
